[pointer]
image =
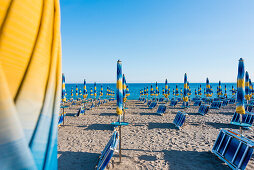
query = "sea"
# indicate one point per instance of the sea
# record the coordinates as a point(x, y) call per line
point(135, 88)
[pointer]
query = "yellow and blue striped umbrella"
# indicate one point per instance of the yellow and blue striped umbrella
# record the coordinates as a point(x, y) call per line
point(196, 92)
point(225, 93)
point(200, 91)
point(208, 88)
point(30, 88)
point(166, 89)
point(95, 90)
point(247, 86)
point(240, 91)
point(85, 90)
point(156, 89)
point(127, 91)
point(233, 91)
point(91, 92)
point(101, 92)
point(220, 90)
point(119, 87)
point(63, 89)
point(71, 91)
point(80, 92)
point(251, 88)
point(76, 90)
point(176, 91)
point(151, 91)
point(124, 89)
point(185, 90)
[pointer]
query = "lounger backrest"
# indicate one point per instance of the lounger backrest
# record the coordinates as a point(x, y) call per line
point(233, 149)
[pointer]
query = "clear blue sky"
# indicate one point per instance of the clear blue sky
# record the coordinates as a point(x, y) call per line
point(156, 39)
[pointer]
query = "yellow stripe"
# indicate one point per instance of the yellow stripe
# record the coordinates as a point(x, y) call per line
point(240, 83)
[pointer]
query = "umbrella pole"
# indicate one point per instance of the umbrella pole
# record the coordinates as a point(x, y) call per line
point(120, 141)
point(63, 116)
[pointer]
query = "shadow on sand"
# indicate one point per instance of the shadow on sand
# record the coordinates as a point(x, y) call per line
point(100, 127)
point(147, 158)
point(193, 160)
point(108, 114)
point(161, 126)
point(146, 114)
point(77, 160)
point(222, 125)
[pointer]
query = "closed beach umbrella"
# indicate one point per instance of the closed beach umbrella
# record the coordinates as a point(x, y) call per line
point(157, 89)
point(95, 90)
point(233, 91)
point(185, 90)
point(240, 88)
point(200, 91)
point(101, 92)
point(76, 91)
point(176, 91)
point(151, 91)
point(63, 89)
point(225, 93)
point(71, 91)
point(247, 87)
point(85, 90)
point(124, 89)
point(127, 91)
point(251, 88)
point(91, 92)
point(220, 90)
point(119, 92)
point(207, 88)
point(31, 84)
point(166, 89)
point(196, 92)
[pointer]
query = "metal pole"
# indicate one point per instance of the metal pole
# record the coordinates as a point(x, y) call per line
point(120, 141)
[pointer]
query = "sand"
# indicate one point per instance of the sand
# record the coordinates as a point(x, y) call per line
point(149, 142)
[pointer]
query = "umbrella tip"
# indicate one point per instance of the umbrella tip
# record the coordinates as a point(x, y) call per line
point(241, 59)
point(119, 61)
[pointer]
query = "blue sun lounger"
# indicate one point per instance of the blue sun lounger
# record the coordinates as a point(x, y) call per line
point(203, 109)
point(231, 101)
point(247, 119)
point(60, 119)
point(152, 105)
point(148, 103)
point(161, 109)
point(161, 99)
point(225, 102)
point(248, 107)
point(81, 111)
point(108, 151)
point(233, 149)
point(180, 119)
point(197, 103)
point(216, 105)
point(173, 103)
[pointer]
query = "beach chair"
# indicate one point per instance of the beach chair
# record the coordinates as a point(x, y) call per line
point(60, 119)
point(185, 105)
point(248, 107)
point(161, 100)
point(203, 109)
point(152, 105)
point(173, 103)
point(224, 102)
point(161, 109)
point(148, 103)
point(197, 103)
point(108, 151)
point(247, 119)
point(179, 119)
point(233, 149)
point(231, 101)
point(216, 105)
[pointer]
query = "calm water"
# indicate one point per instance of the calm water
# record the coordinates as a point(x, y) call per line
point(135, 88)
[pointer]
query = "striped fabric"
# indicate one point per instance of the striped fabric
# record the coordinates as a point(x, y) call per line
point(84, 91)
point(247, 86)
point(95, 90)
point(185, 90)
point(240, 85)
point(63, 89)
point(30, 88)
point(166, 89)
point(119, 87)
point(124, 89)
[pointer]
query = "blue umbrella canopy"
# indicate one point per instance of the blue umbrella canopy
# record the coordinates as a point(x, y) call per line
point(225, 93)
point(124, 89)
point(240, 91)
point(63, 89)
point(119, 87)
point(185, 90)
point(85, 90)
point(95, 90)
point(166, 93)
point(247, 86)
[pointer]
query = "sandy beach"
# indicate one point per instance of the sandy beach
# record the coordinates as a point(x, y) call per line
point(150, 141)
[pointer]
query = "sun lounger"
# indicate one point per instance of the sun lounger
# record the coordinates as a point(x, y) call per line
point(108, 151)
point(161, 109)
point(248, 107)
point(233, 149)
point(179, 119)
point(203, 109)
point(197, 103)
point(225, 102)
point(216, 105)
point(247, 119)
point(231, 101)
point(173, 103)
point(152, 105)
